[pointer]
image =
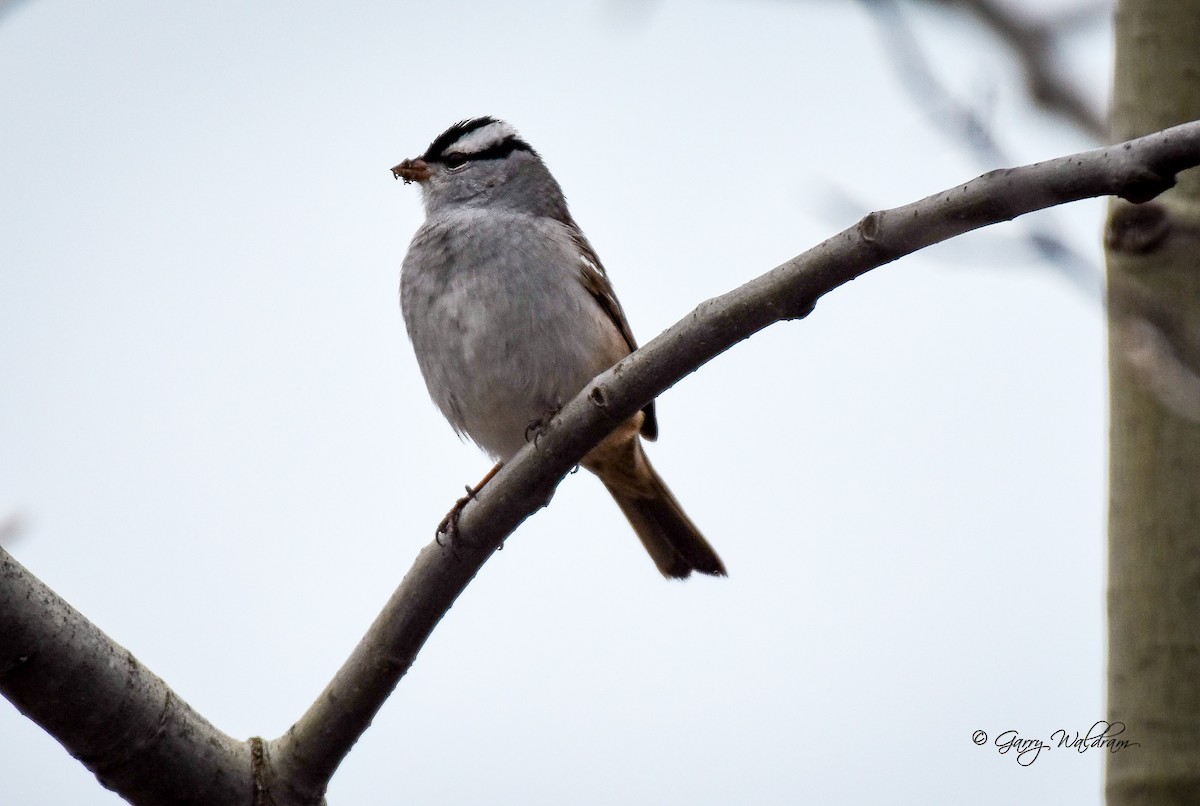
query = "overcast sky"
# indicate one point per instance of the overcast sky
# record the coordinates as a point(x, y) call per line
point(215, 433)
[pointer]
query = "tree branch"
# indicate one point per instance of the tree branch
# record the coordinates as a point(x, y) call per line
point(107, 709)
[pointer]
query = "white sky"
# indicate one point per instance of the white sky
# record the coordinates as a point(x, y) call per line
point(214, 429)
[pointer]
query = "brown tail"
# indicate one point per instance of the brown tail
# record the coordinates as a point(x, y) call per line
point(673, 541)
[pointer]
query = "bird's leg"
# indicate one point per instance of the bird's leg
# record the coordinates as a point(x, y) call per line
point(449, 524)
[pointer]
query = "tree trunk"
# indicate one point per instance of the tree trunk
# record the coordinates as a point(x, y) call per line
point(1154, 365)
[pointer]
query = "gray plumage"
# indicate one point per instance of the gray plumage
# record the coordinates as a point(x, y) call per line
point(510, 315)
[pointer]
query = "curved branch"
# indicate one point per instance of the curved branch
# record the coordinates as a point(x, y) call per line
point(107, 709)
point(311, 750)
point(146, 744)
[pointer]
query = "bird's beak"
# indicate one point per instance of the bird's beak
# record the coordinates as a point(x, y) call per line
point(417, 170)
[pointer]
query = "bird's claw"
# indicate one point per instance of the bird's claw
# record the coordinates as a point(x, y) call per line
point(536, 427)
point(449, 524)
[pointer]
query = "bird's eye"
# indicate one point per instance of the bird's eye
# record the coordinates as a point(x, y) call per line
point(455, 161)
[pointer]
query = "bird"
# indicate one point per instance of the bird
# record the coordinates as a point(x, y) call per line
point(511, 314)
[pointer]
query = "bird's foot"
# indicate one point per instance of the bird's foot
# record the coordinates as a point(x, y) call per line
point(535, 429)
point(449, 524)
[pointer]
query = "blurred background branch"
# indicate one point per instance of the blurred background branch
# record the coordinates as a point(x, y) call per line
point(8, 5)
point(11, 528)
point(963, 120)
point(1035, 42)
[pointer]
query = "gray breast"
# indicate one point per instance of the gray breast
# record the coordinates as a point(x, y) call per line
point(503, 329)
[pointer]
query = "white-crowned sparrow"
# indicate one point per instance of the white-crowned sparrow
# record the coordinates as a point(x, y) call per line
point(511, 315)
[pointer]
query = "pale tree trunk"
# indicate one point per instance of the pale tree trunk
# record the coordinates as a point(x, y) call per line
point(1154, 361)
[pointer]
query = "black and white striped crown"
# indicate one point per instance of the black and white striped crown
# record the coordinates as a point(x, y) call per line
point(482, 138)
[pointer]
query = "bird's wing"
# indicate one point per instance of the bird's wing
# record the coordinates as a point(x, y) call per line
point(595, 280)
